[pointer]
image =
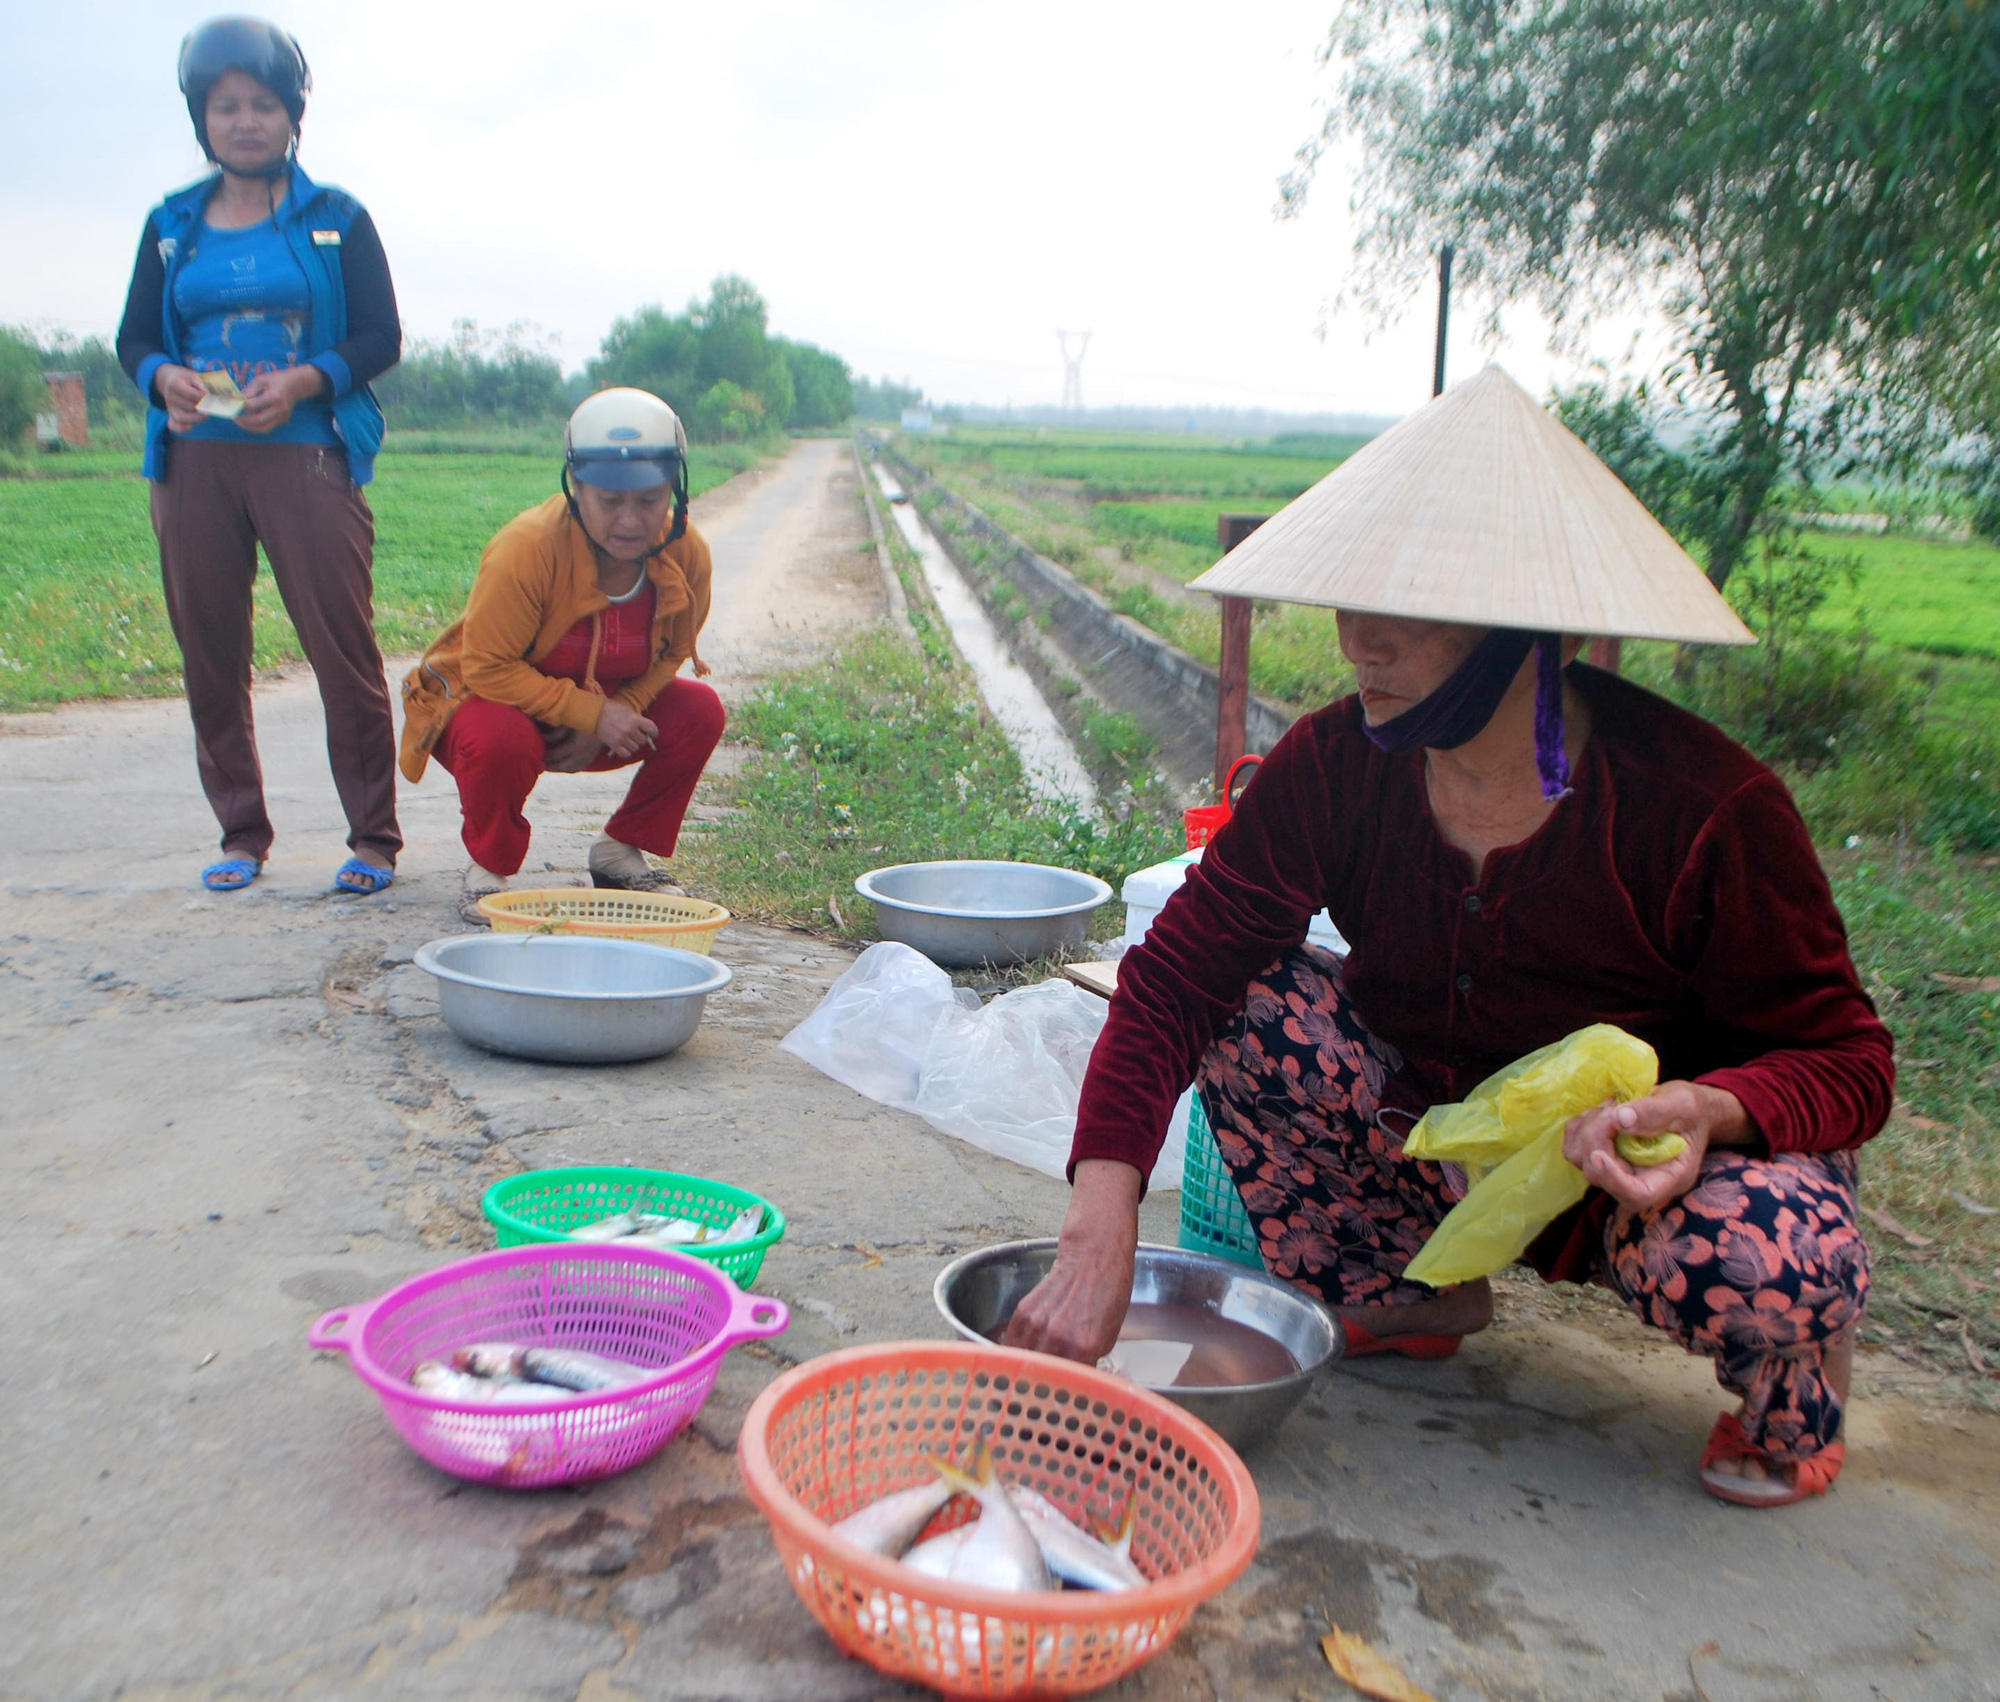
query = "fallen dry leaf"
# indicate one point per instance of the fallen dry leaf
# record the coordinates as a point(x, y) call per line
point(1967, 983)
point(1882, 1220)
point(1694, 1655)
point(1970, 1204)
point(1369, 1670)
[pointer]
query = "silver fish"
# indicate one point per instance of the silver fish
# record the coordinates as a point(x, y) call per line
point(745, 1224)
point(435, 1378)
point(573, 1368)
point(887, 1527)
point(935, 1556)
point(1072, 1553)
point(490, 1359)
point(1001, 1553)
point(607, 1228)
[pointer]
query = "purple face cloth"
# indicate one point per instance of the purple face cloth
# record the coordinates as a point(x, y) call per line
point(1460, 708)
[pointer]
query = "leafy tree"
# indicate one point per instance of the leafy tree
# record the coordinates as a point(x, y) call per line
point(1807, 187)
point(736, 347)
point(22, 392)
point(882, 400)
point(822, 387)
point(653, 350)
point(727, 413)
point(475, 375)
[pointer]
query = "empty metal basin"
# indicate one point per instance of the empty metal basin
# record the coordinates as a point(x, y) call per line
point(959, 914)
point(568, 999)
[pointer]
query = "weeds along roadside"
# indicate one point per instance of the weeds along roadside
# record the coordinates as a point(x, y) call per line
point(883, 753)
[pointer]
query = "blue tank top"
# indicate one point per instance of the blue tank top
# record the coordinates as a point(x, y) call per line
point(243, 304)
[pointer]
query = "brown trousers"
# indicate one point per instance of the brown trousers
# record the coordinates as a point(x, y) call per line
point(216, 504)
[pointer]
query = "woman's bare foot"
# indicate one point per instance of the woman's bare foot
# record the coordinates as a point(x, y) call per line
point(1461, 1311)
point(1839, 1368)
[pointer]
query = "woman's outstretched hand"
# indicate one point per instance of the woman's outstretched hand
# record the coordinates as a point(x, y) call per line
point(1702, 1116)
point(623, 731)
point(1076, 1310)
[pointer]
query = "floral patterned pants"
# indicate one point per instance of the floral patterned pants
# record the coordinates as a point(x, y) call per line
point(1758, 1266)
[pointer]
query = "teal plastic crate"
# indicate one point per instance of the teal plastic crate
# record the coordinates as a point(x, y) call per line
point(1212, 1216)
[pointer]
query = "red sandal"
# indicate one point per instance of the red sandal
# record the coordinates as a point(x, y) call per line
point(1808, 1477)
point(1361, 1342)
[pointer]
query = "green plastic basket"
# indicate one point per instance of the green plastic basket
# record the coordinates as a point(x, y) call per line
point(545, 1205)
point(1212, 1216)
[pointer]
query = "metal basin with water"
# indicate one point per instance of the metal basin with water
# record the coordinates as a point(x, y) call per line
point(569, 999)
point(964, 913)
point(977, 1294)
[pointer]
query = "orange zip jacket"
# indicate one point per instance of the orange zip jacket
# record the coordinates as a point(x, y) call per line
point(537, 579)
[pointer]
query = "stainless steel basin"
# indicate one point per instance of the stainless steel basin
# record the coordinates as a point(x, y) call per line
point(977, 1294)
point(568, 999)
point(959, 914)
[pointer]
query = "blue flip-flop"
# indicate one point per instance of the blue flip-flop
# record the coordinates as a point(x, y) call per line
point(376, 878)
point(232, 874)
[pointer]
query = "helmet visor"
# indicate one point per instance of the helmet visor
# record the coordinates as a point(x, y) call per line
point(622, 470)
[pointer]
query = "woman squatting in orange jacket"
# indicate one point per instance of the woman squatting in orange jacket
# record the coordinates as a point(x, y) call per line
point(568, 653)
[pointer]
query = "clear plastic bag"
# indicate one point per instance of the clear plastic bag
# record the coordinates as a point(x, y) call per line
point(1004, 1077)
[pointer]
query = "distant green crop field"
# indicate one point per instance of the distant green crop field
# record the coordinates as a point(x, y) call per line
point(1944, 598)
point(1105, 468)
point(81, 613)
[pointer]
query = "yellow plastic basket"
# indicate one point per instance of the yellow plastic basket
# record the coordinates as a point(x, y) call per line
point(606, 913)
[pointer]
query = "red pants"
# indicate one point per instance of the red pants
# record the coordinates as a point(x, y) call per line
point(494, 752)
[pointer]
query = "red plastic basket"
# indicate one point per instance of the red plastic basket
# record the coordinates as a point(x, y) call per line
point(652, 1307)
point(1205, 821)
point(833, 1435)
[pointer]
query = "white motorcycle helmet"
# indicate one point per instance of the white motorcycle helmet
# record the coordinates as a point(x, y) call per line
point(627, 440)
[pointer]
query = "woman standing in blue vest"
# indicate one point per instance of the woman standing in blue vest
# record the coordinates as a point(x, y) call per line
point(260, 308)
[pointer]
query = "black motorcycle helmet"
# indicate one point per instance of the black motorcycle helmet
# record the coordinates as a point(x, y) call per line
point(248, 45)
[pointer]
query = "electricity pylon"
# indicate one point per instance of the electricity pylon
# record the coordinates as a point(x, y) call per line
point(1072, 396)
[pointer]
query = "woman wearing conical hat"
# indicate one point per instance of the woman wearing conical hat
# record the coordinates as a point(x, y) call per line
point(1517, 846)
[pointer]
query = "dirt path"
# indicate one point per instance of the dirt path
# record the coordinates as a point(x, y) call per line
point(224, 1115)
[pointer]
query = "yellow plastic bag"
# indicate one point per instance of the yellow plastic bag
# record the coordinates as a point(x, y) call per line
point(1507, 1134)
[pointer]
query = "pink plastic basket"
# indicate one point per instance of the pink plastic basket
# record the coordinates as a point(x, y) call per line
point(654, 1308)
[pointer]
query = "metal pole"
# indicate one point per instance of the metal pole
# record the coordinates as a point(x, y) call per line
point(1444, 317)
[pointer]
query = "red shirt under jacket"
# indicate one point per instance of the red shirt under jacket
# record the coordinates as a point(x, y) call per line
point(624, 637)
point(1675, 893)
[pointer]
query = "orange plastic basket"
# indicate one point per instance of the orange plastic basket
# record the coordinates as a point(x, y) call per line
point(837, 1433)
point(657, 918)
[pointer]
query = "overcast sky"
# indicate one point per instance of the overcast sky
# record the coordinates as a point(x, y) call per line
point(928, 188)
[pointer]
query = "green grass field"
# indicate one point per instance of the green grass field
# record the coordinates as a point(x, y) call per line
point(1940, 598)
point(80, 607)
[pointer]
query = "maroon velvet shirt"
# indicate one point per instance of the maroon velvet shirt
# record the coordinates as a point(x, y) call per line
point(1675, 893)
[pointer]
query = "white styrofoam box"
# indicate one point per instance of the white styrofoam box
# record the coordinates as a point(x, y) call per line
point(1146, 890)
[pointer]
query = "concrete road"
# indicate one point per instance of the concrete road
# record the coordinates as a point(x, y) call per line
point(224, 1115)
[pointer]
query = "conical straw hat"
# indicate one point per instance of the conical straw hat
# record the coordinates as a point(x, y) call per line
point(1481, 507)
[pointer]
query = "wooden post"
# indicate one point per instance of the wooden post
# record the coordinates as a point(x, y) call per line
point(1232, 710)
point(1606, 653)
